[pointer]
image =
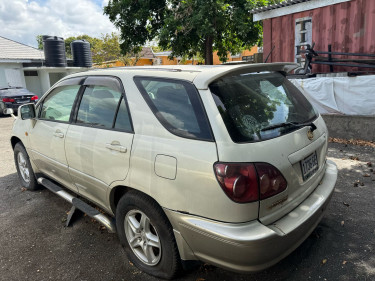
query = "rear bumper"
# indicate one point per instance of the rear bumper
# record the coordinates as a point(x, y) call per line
point(252, 246)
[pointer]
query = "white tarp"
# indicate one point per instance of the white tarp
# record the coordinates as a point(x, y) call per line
point(340, 95)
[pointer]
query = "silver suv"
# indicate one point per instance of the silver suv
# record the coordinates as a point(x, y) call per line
point(222, 164)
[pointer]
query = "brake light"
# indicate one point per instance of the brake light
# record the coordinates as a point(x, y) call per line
point(239, 181)
point(34, 98)
point(249, 182)
point(271, 181)
point(8, 100)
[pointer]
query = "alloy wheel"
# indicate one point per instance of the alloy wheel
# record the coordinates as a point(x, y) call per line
point(142, 237)
point(23, 167)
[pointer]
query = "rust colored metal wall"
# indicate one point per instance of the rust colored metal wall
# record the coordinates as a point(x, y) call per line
point(348, 27)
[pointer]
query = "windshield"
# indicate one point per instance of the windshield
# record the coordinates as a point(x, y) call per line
point(251, 102)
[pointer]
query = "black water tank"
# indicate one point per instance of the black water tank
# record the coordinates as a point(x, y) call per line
point(54, 51)
point(81, 52)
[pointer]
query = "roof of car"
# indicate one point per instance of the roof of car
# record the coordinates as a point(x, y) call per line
point(200, 75)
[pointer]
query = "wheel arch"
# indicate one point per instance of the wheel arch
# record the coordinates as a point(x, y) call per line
point(14, 140)
point(119, 191)
point(115, 195)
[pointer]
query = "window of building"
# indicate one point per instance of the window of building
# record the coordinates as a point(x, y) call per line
point(303, 37)
point(30, 73)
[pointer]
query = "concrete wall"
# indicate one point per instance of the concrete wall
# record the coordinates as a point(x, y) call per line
point(351, 127)
point(3, 80)
point(3, 77)
point(33, 85)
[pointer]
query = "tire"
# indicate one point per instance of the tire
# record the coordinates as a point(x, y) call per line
point(140, 219)
point(24, 168)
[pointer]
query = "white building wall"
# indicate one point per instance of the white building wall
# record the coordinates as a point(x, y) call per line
point(8, 69)
point(33, 85)
point(3, 81)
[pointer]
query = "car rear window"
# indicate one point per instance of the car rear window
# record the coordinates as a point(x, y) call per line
point(250, 103)
point(177, 105)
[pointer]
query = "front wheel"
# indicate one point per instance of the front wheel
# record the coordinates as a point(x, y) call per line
point(147, 235)
point(24, 169)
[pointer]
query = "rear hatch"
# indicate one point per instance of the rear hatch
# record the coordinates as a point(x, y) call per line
point(270, 121)
point(22, 99)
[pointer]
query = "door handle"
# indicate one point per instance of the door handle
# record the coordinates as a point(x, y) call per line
point(58, 134)
point(116, 147)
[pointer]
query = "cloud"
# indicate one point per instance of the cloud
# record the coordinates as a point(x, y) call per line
point(23, 20)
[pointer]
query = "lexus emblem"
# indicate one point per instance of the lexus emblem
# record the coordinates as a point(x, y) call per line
point(310, 134)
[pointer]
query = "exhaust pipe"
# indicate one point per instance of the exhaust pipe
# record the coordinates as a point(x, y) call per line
point(79, 204)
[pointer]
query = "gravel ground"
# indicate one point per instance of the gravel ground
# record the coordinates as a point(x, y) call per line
point(35, 244)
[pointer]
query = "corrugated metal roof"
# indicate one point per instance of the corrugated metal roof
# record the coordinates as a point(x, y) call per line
point(12, 50)
point(276, 6)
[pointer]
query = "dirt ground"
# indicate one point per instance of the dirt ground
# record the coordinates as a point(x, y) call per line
point(36, 245)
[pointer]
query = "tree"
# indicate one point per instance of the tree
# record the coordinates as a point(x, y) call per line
point(39, 39)
point(187, 27)
point(106, 49)
point(130, 59)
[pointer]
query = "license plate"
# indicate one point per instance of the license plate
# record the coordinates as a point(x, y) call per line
point(309, 166)
point(23, 101)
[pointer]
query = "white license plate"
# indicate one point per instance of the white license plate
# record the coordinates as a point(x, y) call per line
point(309, 166)
point(23, 101)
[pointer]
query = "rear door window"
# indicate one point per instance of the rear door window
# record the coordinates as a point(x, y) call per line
point(252, 103)
point(122, 119)
point(98, 106)
point(177, 105)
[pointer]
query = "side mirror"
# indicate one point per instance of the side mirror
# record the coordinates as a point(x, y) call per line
point(27, 111)
point(8, 111)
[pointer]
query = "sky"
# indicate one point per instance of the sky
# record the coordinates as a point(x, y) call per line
point(23, 20)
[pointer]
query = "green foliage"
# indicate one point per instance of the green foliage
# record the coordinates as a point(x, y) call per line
point(106, 49)
point(138, 21)
point(39, 39)
point(187, 27)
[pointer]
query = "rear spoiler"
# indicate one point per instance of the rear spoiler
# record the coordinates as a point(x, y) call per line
point(203, 79)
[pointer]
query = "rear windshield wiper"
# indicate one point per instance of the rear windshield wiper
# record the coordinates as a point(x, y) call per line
point(286, 124)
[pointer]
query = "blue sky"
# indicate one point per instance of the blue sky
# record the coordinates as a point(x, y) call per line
point(23, 20)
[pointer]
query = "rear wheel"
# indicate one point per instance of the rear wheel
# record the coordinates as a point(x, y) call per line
point(147, 235)
point(24, 169)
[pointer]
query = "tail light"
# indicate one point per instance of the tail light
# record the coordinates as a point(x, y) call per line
point(249, 182)
point(34, 98)
point(271, 181)
point(8, 100)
